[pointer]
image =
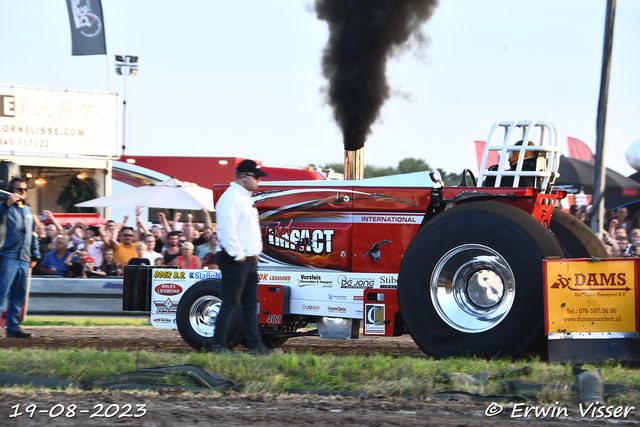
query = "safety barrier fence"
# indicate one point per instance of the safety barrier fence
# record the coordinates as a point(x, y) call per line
point(95, 297)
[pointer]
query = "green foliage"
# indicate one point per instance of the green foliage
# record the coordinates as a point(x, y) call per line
point(375, 374)
point(83, 321)
point(78, 190)
point(406, 165)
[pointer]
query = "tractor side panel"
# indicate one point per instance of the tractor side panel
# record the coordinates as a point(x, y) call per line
point(343, 228)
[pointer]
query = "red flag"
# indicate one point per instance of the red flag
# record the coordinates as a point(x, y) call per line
point(579, 150)
point(492, 159)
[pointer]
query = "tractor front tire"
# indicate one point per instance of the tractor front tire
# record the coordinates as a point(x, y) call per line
point(197, 314)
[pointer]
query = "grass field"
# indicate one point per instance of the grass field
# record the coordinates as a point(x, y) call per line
point(376, 375)
point(83, 321)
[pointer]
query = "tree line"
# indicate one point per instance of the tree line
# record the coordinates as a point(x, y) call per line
point(406, 165)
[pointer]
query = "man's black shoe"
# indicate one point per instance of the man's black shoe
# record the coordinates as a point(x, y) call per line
point(19, 334)
point(218, 349)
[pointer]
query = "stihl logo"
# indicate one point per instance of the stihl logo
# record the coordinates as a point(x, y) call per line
point(593, 281)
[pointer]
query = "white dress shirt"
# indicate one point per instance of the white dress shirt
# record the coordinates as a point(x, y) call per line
point(152, 256)
point(238, 223)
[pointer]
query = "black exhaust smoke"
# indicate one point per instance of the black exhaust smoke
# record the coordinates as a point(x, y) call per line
point(362, 35)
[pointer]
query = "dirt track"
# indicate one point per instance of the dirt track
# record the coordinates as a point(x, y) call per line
point(172, 408)
point(148, 338)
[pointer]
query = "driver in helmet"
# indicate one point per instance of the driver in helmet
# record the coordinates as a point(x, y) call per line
point(528, 164)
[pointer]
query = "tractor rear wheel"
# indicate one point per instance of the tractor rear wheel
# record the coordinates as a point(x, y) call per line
point(575, 238)
point(471, 281)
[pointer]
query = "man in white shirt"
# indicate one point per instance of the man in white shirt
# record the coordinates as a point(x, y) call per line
point(240, 244)
point(150, 253)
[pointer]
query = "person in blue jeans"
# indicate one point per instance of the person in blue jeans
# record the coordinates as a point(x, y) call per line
point(18, 253)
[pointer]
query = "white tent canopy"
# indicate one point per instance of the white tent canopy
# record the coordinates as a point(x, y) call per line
point(169, 194)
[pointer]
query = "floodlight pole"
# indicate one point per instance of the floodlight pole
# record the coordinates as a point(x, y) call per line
point(129, 64)
point(124, 114)
point(597, 218)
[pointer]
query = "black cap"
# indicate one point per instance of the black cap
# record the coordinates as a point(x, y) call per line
point(249, 166)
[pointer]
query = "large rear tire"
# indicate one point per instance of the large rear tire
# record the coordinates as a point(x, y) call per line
point(470, 282)
point(575, 238)
point(197, 313)
point(271, 342)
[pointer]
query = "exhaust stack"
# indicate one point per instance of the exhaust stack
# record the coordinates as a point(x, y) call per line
point(354, 164)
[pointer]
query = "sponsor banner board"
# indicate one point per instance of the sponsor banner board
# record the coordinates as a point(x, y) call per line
point(586, 296)
point(167, 287)
point(58, 122)
point(336, 294)
point(329, 287)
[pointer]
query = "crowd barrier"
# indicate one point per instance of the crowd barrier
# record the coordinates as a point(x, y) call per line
point(59, 296)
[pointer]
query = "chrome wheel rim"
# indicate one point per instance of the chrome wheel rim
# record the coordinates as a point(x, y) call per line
point(472, 288)
point(203, 315)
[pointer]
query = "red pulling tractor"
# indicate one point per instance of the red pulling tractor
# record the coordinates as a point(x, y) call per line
point(459, 268)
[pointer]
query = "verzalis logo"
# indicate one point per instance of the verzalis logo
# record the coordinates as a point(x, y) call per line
point(88, 23)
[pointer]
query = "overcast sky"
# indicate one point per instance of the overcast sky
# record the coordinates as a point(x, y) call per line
point(242, 78)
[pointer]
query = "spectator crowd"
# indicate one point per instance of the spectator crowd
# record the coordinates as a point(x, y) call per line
point(82, 250)
point(621, 231)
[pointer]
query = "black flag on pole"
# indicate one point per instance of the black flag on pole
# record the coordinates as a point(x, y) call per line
point(87, 27)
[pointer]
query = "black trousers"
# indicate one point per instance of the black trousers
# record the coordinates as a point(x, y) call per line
point(239, 292)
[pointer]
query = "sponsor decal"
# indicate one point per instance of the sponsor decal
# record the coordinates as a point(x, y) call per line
point(162, 320)
point(277, 319)
point(314, 279)
point(301, 240)
point(309, 307)
point(592, 282)
point(337, 297)
point(168, 289)
point(341, 310)
point(169, 274)
point(374, 319)
point(205, 275)
point(391, 219)
point(166, 307)
point(355, 282)
point(264, 277)
point(388, 281)
point(358, 297)
point(583, 296)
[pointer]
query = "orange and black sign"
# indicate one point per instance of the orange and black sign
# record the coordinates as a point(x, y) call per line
point(586, 296)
